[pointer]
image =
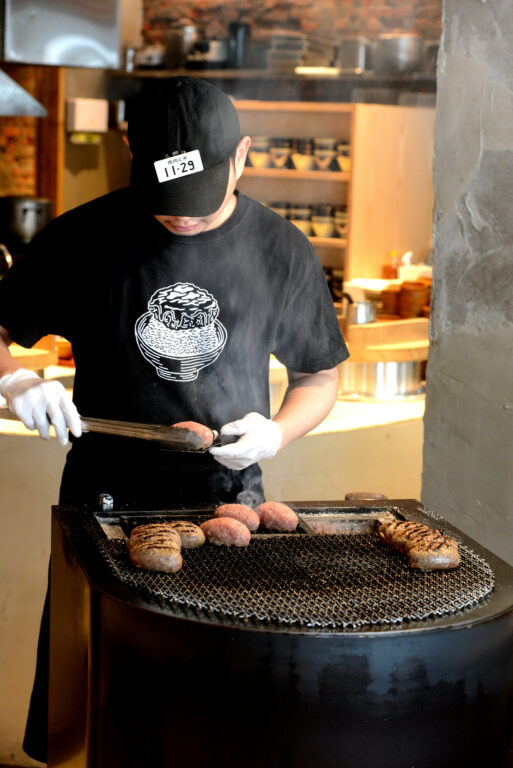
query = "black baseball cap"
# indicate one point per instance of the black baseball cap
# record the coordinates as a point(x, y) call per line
point(182, 134)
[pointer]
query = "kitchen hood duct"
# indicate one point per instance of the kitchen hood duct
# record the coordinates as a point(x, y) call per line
point(62, 33)
point(16, 101)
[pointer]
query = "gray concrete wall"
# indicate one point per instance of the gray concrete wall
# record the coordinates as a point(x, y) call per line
point(468, 450)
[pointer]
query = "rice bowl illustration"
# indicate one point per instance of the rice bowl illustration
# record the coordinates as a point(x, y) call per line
point(180, 334)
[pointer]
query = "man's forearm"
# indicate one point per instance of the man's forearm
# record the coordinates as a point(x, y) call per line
point(7, 362)
point(308, 400)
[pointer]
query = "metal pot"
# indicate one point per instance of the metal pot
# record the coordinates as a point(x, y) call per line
point(23, 217)
point(179, 42)
point(353, 54)
point(381, 380)
point(398, 54)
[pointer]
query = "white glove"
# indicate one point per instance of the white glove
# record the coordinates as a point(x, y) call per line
point(261, 439)
point(39, 402)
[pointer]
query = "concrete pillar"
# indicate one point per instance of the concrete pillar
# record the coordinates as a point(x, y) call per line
point(468, 450)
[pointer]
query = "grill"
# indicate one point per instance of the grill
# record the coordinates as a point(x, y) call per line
point(341, 581)
point(299, 650)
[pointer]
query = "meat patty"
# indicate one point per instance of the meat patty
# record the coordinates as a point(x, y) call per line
point(191, 535)
point(426, 548)
point(239, 512)
point(205, 434)
point(276, 516)
point(227, 531)
point(156, 547)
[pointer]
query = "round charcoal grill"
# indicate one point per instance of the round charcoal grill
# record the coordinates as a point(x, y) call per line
point(316, 648)
point(334, 581)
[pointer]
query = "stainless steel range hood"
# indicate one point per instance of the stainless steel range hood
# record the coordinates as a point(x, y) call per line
point(68, 33)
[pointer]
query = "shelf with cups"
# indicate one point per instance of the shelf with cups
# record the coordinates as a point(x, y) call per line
point(292, 174)
point(299, 165)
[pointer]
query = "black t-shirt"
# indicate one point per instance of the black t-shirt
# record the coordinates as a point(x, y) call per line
point(167, 328)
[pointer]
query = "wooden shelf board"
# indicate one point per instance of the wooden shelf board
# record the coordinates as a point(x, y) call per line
point(292, 106)
point(328, 242)
point(286, 173)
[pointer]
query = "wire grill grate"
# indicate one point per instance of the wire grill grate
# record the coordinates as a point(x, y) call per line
point(348, 582)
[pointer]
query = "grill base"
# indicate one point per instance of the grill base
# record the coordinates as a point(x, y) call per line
point(133, 683)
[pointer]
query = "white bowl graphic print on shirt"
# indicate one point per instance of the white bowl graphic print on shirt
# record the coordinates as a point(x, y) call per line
point(180, 334)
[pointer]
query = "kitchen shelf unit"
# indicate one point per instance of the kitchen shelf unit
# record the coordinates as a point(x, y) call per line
point(299, 120)
point(388, 192)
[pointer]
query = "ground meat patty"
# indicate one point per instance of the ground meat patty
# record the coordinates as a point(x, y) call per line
point(156, 547)
point(205, 434)
point(227, 531)
point(191, 535)
point(426, 548)
point(276, 516)
point(239, 512)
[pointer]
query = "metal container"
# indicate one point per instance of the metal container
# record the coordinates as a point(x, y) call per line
point(380, 380)
point(23, 217)
point(353, 54)
point(140, 676)
point(398, 54)
point(179, 41)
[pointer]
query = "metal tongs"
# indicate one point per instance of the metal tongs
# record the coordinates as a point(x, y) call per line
point(172, 438)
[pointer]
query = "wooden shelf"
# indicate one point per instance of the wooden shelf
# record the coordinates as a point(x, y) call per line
point(286, 173)
point(292, 106)
point(328, 242)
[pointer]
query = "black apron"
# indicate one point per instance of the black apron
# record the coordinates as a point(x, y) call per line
point(138, 476)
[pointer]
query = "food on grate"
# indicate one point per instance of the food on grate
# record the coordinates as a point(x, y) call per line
point(276, 516)
point(191, 535)
point(227, 531)
point(156, 547)
point(426, 548)
point(239, 512)
point(204, 433)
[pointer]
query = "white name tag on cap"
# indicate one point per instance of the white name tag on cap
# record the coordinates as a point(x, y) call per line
point(178, 165)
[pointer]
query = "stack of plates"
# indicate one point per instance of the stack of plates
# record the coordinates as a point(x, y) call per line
point(287, 50)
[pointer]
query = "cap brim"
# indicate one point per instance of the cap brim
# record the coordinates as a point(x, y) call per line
point(195, 195)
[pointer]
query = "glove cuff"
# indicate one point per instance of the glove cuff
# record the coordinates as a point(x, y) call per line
point(11, 378)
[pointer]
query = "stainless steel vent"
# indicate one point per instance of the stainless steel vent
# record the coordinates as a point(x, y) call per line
point(81, 33)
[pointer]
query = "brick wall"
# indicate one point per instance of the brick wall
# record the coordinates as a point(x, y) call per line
point(18, 142)
point(316, 17)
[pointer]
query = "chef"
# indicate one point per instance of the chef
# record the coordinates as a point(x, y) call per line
point(174, 292)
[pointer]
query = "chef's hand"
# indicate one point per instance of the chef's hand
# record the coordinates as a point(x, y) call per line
point(39, 402)
point(260, 439)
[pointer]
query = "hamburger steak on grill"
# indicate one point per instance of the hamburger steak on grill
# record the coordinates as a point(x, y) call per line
point(155, 546)
point(276, 516)
point(191, 535)
point(227, 531)
point(426, 548)
point(239, 512)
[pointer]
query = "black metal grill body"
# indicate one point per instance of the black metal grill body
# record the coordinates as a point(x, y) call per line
point(137, 682)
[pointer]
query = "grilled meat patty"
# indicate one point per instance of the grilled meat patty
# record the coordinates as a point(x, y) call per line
point(276, 516)
point(426, 548)
point(155, 547)
point(226, 531)
point(191, 535)
point(240, 512)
